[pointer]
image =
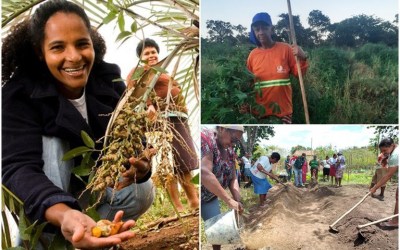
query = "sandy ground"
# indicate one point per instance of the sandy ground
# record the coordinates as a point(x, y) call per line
point(167, 233)
point(299, 218)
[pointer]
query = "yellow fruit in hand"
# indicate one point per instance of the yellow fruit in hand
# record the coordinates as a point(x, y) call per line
point(96, 232)
point(106, 228)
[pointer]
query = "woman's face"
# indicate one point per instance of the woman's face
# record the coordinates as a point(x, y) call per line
point(150, 55)
point(386, 151)
point(229, 137)
point(68, 52)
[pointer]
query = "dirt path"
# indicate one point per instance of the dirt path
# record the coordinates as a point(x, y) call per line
point(168, 233)
point(300, 218)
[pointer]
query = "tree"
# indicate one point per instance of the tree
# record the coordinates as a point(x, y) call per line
point(282, 31)
point(219, 31)
point(254, 136)
point(383, 132)
point(362, 29)
point(322, 152)
point(319, 25)
point(298, 147)
point(242, 35)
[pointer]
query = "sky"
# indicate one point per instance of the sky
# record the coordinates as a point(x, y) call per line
point(241, 12)
point(339, 136)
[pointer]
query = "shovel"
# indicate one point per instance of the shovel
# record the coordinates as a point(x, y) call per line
point(332, 228)
point(377, 221)
point(361, 236)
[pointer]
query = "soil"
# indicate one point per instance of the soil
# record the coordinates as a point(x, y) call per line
point(167, 233)
point(299, 218)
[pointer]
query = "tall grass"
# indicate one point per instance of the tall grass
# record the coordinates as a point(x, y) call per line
point(343, 86)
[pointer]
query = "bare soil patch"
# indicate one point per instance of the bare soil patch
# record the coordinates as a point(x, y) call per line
point(299, 218)
point(167, 233)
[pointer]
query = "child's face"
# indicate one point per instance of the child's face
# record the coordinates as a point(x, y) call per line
point(68, 52)
point(150, 55)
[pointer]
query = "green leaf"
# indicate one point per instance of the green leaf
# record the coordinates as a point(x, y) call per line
point(137, 74)
point(122, 35)
point(159, 69)
point(22, 226)
point(111, 16)
point(76, 152)
point(30, 229)
point(5, 233)
point(87, 160)
point(134, 27)
point(81, 170)
point(92, 213)
point(121, 21)
point(87, 140)
point(195, 179)
point(38, 231)
point(58, 242)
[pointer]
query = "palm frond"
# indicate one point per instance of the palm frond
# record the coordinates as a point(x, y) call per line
point(11, 10)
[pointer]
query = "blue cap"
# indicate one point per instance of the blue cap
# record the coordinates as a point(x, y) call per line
point(259, 17)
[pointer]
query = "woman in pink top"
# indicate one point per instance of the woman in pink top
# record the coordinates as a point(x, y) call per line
point(304, 171)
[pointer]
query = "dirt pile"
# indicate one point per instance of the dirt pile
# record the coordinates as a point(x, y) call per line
point(299, 218)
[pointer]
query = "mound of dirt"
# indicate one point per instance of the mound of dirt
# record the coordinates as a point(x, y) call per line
point(167, 233)
point(299, 218)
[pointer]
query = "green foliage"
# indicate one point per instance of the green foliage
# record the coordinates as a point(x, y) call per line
point(196, 179)
point(29, 232)
point(254, 135)
point(342, 86)
point(329, 65)
point(226, 86)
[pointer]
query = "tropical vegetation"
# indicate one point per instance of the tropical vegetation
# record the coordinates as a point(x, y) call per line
point(352, 76)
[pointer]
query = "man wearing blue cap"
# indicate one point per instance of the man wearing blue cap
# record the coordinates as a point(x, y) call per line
point(272, 63)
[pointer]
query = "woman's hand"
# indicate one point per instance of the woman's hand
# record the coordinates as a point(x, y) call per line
point(76, 228)
point(138, 169)
point(236, 205)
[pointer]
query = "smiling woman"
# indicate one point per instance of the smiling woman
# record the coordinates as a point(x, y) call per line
point(68, 52)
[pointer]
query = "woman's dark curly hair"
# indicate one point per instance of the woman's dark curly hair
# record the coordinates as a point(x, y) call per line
point(21, 49)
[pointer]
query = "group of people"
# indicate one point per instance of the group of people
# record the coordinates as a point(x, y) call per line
point(56, 84)
point(298, 166)
point(218, 171)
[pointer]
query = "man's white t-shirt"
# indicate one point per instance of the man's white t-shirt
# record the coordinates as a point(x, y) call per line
point(326, 164)
point(394, 158)
point(247, 163)
point(264, 162)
